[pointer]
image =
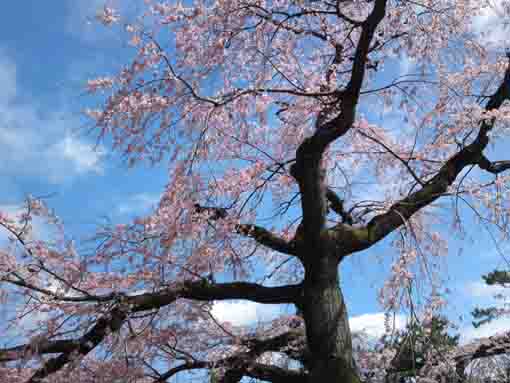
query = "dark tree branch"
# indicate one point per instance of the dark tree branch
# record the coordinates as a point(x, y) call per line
point(205, 291)
point(214, 212)
point(244, 364)
point(82, 346)
point(483, 348)
point(242, 368)
point(60, 297)
point(337, 205)
point(274, 374)
point(307, 169)
point(194, 365)
point(231, 376)
point(266, 238)
point(363, 48)
point(472, 154)
point(259, 234)
point(112, 322)
point(284, 24)
point(237, 366)
point(291, 343)
point(395, 155)
point(494, 167)
point(40, 348)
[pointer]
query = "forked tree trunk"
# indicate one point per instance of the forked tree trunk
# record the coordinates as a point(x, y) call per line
point(327, 325)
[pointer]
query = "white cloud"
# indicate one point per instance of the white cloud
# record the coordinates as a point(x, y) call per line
point(82, 155)
point(373, 324)
point(139, 203)
point(244, 313)
point(497, 326)
point(479, 289)
point(36, 143)
point(485, 295)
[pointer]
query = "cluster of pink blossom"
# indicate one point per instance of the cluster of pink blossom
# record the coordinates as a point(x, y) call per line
point(108, 16)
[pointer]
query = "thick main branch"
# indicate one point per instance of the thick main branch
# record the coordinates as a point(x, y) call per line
point(472, 154)
point(244, 364)
point(307, 168)
point(494, 167)
point(200, 290)
point(261, 235)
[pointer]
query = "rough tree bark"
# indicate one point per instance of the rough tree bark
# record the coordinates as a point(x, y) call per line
point(327, 326)
point(324, 309)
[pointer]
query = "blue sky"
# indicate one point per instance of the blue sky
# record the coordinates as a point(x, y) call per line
point(47, 51)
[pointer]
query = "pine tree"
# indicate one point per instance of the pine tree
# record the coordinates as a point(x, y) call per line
point(485, 315)
point(415, 342)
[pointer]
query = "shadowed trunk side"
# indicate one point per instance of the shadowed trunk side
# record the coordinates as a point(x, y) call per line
point(327, 325)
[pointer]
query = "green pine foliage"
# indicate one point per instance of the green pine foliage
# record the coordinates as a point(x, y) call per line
point(487, 314)
point(414, 343)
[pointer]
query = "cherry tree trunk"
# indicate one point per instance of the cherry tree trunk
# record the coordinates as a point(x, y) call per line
point(327, 325)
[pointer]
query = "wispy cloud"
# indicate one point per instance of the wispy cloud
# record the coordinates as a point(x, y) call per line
point(479, 289)
point(139, 203)
point(244, 313)
point(83, 156)
point(39, 144)
point(373, 325)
